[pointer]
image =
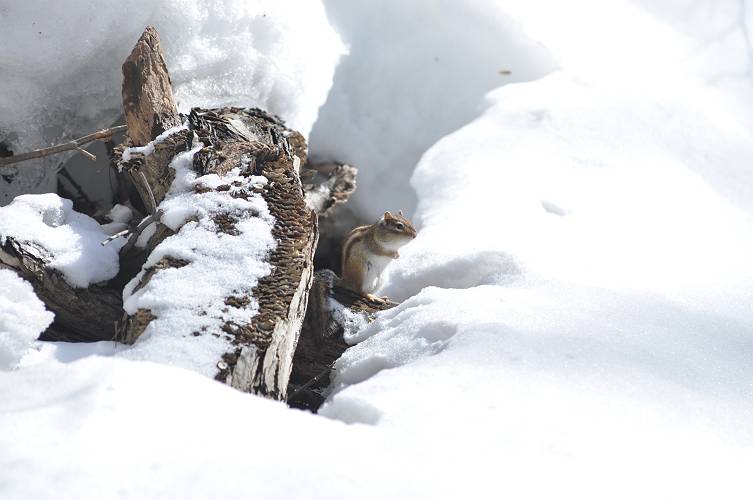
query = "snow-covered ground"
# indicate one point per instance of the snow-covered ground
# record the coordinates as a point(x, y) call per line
point(578, 318)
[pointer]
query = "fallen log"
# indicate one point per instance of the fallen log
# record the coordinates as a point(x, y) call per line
point(231, 172)
point(242, 144)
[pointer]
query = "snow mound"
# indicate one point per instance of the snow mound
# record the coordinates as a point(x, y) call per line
point(68, 240)
point(279, 56)
point(413, 74)
point(22, 318)
point(215, 266)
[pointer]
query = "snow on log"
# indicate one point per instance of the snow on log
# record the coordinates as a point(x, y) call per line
point(58, 251)
point(227, 291)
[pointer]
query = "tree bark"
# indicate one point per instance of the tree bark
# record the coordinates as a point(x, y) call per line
point(257, 144)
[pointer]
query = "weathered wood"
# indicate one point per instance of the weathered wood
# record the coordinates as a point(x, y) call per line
point(81, 314)
point(327, 185)
point(151, 174)
point(149, 110)
point(256, 143)
point(262, 360)
point(147, 92)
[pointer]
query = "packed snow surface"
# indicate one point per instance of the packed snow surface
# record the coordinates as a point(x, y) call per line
point(22, 318)
point(577, 317)
point(69, 241)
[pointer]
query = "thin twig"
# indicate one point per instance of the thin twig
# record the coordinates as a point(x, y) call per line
point(87, 154)
point(156, 217)
point(152, 200)
point(74, 144)
point(115, 236)
point(311, 382)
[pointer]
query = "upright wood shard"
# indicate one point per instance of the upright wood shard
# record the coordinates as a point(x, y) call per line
point(147, 92)
point(149, 110)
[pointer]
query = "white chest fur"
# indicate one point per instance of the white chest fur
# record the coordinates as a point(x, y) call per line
point(375, 264)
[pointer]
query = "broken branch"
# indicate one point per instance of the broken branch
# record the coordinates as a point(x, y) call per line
point(74, 144)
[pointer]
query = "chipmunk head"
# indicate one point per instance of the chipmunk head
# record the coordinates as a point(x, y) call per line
point(395, 230)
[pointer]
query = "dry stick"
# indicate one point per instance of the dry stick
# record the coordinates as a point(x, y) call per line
point(75, 144)
point(115, 236)
point(156, 217)
point(311, 382)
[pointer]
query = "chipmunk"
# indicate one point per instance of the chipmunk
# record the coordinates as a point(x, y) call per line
point(368, 249)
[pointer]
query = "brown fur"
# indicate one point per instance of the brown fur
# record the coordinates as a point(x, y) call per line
point(365, 242)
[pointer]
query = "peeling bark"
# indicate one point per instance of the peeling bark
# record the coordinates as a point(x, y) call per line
point(327, 185)
point(257, 144)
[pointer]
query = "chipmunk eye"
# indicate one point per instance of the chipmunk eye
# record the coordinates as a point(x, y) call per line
point(400, 226)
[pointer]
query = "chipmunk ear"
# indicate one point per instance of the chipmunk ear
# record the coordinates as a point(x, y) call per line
point(388, 216)
point(400, 213)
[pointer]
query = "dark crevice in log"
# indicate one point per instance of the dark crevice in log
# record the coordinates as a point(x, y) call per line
point(321, 342)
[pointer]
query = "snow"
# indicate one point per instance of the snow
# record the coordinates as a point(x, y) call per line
point(69, 241)
point(190, 298)
point(120, 215)
point(148, 149)
point(414, 72)
point(58, 84)
point(22, 318)
point(576, 319)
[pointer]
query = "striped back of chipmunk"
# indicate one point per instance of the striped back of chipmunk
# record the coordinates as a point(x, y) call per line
point(355, 235)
